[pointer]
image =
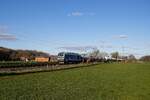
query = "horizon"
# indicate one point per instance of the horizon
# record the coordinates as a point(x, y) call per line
point(76, 25)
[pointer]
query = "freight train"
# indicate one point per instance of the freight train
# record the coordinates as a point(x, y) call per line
point(73, 58)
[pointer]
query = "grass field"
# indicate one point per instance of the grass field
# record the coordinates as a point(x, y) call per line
point(99, 82)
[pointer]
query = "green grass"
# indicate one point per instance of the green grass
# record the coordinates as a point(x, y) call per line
point(99, 82)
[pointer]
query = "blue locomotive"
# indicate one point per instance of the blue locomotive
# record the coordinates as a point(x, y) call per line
point(68, 57)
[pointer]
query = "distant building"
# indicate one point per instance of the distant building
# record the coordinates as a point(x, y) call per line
point(24, 59)
point(51, 58)
point(42, 59)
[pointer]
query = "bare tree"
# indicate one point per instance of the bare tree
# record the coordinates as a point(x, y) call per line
point(115, 55)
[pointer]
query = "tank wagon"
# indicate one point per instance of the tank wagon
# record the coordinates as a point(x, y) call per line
point(68, 57)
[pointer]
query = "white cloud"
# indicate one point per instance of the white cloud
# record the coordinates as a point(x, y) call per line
point(4, 34)
point(79, 48)
point(78, 13)
point(121, 36)
point(7, 37)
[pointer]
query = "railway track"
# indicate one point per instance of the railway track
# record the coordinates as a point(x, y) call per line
point(23, 70)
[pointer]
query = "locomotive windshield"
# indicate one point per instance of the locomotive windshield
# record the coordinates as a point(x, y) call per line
point(61, 54)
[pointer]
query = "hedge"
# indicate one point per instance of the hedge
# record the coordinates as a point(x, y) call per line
point(12, 64)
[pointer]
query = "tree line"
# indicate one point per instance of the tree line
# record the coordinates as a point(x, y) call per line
point(7, 54)
point(116, 55)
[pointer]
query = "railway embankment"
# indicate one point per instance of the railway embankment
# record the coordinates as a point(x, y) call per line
point(48, 68)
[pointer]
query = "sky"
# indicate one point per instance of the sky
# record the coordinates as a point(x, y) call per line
point(55, 25)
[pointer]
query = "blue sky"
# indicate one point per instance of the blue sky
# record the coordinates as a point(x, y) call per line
point(47, 25)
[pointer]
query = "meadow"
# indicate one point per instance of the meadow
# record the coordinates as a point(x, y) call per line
point(99, 82)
